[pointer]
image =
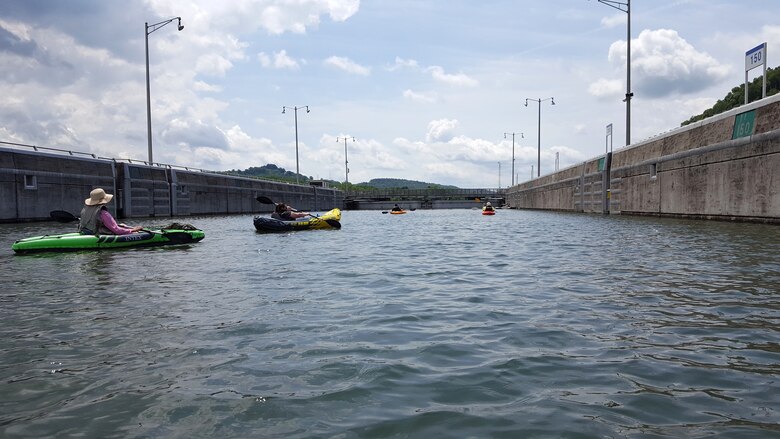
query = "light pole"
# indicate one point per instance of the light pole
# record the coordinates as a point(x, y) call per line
point(513, 153)
point(346, 161)
point(148, 29)
point(295, 110)
point(539, 133)
point(619, 6)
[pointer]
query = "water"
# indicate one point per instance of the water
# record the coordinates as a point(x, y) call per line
point(433, 324)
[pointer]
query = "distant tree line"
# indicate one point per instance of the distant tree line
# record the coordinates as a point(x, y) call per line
point(276, 173)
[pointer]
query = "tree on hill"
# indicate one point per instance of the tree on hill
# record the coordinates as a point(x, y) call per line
point(270, 172)
point(736, 96)
point(399, 183)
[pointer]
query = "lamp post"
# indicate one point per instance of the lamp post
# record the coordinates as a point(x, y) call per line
point(499, 175)
point(539, 132)
point(346, 161)
point(295, 110)
point(513, 153)
point(619, 6)
point(148, 29)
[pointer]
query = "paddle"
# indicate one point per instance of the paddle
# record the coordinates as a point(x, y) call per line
point(62, 216)
point(333, 223)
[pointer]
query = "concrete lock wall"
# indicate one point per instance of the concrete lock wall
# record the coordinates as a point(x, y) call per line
point(724, 167)
point(33, 183)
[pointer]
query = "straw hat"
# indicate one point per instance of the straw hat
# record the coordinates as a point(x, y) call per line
point(98, 196)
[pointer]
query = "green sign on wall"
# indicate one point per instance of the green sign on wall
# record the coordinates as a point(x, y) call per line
point(744, 124)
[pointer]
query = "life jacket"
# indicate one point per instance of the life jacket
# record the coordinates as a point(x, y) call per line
point(284, 216)
point(90, 224)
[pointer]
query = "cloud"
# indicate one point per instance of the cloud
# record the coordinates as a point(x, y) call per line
point(441, 130)
point(401, 63)
point(663, 63)
point(418, 97)
point(619, 19)
point(459, 79)
point(347, 65)
point(194, 134)
point(604, 88)
point(204, 86)
point(280, 61)
point(213, 64)
point(276, 16)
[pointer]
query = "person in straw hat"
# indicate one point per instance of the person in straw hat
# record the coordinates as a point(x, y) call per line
point(97, 220)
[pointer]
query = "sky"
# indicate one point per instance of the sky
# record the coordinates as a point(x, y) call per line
point(428, 90)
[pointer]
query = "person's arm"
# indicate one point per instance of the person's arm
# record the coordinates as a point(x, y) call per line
point(299, 214)
point(110, 223)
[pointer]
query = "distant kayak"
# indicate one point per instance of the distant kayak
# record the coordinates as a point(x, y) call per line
point(397, 212)
point(76, 241)
point(488, 212)
point(329, 220)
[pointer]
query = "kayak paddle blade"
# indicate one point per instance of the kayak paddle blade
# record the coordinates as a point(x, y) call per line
point(62, 216)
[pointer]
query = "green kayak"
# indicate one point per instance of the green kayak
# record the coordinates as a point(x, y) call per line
point(77, 241)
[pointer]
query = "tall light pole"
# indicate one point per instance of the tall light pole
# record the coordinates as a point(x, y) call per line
point(539, 132)
point(513, 153)
point(499, 175)
point(346, 162)
point(620, 7)
point(148, 29)
point(297, 169)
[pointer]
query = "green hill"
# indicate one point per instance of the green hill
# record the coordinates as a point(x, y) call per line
point(270, 172)
point(736, 96)
point(398, 183)
point(273, 172)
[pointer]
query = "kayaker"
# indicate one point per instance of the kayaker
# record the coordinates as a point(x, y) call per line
point(488, 206)
point(97, 220)
point(287, 213)
point(396, 208)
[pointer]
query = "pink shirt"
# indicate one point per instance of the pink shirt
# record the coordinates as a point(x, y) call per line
point(110, 223)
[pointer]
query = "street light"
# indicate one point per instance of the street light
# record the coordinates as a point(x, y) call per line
point(499, 175)
point(513, 153)
point(147, 31)
point(297, 170)
point(539, 132)
point(619, 6)
point(346, 162)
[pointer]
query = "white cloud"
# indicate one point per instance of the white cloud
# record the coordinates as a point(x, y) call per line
point(347, 65)
point(403, 63)
point(618, 19)
point(663, 63)
point(279, 60)
point(418, 97)
point(204, 86)
point(606, 88)
point(441, 130)
point(213, 64)
point(459, 79)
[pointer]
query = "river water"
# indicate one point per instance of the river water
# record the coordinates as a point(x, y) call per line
point(433, 324)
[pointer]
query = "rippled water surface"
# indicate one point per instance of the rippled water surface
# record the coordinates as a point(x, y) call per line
point(432, 324)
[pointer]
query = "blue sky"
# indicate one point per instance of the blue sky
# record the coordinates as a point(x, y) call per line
point(426, 88)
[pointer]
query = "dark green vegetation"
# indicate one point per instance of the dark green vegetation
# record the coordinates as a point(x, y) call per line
point(269, 172)
point(273, 172)
point(736, 96)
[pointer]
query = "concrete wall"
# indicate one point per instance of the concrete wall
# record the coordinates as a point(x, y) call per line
point(724, 167)
point(33, 183)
